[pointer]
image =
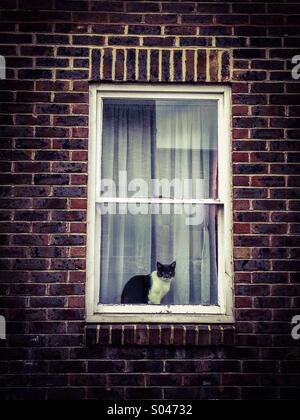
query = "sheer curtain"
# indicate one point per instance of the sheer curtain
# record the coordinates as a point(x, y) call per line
point(161, 140)
point(128, 130)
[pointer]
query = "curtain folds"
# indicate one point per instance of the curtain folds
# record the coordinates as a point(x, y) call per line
point(161, 140)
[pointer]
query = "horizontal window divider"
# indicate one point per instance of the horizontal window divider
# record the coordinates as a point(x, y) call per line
point(126, 200)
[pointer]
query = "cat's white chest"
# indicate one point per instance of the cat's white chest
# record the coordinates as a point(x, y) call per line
point(159, 289)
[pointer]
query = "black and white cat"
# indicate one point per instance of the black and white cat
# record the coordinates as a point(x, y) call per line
point(151, 288)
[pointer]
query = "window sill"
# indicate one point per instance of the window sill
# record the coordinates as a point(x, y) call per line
point(156, 335)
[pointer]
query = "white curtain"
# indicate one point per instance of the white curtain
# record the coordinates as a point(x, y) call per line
point(161, 140)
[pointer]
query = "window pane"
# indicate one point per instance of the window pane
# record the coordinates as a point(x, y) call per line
point(132, 244)
point(165, 148)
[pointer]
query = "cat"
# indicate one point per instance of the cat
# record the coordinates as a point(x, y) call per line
point(151, 288)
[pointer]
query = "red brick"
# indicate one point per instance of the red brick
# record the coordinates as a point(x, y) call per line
point(44, 128)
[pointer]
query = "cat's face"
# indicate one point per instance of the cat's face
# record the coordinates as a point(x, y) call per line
point(166, 271)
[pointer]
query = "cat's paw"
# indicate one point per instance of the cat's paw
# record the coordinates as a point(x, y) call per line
point(153, 302)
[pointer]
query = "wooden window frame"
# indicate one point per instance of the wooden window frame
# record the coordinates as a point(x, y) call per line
point(120, 313)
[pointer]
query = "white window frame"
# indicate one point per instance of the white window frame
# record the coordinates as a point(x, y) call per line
point(121, 313)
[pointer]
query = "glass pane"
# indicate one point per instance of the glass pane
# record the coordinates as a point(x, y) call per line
point(159, 148)
point(135, 241)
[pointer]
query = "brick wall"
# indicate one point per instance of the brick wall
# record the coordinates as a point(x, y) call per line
point(44, 109)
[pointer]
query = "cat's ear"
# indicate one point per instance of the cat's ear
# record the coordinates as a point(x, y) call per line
point(159, 265)
point(173, 265)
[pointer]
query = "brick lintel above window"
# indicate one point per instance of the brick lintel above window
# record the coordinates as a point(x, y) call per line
point(142, 64)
